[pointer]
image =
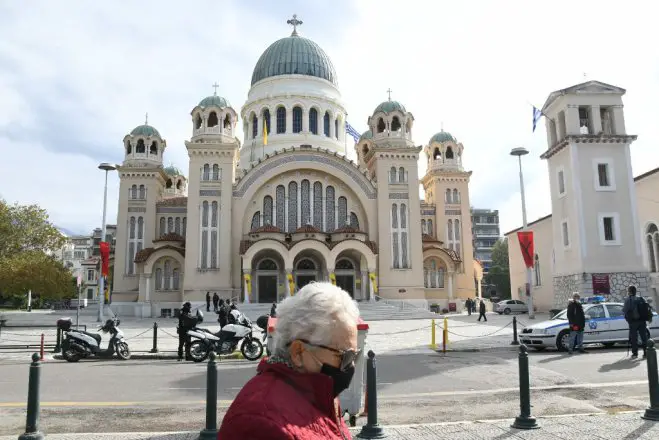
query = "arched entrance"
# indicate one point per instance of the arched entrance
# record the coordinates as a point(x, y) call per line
point(307, 270)
point(346, 275)
point(267, 280)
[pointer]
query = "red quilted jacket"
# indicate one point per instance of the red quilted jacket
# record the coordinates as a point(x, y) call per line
point(282, 404)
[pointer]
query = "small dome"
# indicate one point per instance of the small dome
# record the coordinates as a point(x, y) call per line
point(390, 106)
point(368, 134)
point(214, 100)
point(294, 55)
point(145, 130)
point(442, 136)
point(172, 171)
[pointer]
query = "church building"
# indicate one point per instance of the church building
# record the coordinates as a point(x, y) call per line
point(255, 221)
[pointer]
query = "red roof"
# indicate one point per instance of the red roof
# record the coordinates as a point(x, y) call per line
point(307, 229)
point(265, 228)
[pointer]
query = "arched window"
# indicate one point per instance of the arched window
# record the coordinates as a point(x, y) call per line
point(381, 125)
point(436, 154)
point(206, 172)
point(297, 119)
point(168, 275)
point(449, 232)
point(154, 148)
point(343, 211)
point(216, 172)
point(140, 149)
point(395, 124)
point(168, 184)
point(423, 227)
point(185, 224)
point(281, 120)
point(401, 175)
point(256, 220)
point(129, 148)
point(266, 119)
point(313, 121)
point(158, 279)
point(456, 196)
point(393, 175)
point(267, 264)
point(306, 264)
point(204, 234)
point(536, 270)
point(175, 276)
point(179, 184)
point(330, 223)
point(318, 205)
point(212, 120)
point(449, 153)
point(292, 206)
point(142, 192)
point(431, 230)
point(305, 203)
point(227, 122)
point(215, 213)
point(280, 202)
point(140, 228)
point(177, 226)
point(170, 225)
point(336, 128)
point(344, 264)
point(449, 198)
point(197, 122)
point(652, 240)
point(405, 262)
point(133, 192)
point(163, 226)
point(255, 126)
point(394, 216)
point(267, 210)
point(354, 221)
point(326, 124)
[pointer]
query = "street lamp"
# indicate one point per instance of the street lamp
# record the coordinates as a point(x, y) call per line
point(519, 152)
point(101, 294)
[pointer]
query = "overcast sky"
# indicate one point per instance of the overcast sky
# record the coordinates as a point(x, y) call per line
point(76, 76)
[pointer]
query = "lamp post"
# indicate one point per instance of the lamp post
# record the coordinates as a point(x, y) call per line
point(101, 283)
point(519, 152)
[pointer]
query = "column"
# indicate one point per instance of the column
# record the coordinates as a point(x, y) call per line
point(595, 119)
point(305, 120)
point(572, 124)
point(289, 120)
point(450, 286)
point(480, 283)
point(618, 121)
point(147, 294)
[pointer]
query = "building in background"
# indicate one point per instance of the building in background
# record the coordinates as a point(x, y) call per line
point(485, 233)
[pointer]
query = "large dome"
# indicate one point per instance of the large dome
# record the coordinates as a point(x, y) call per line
point(294, 55)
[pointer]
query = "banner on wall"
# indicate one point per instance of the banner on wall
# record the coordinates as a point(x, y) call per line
point(332, 277)
point(291, 284)
point(105, 258)
point(374, 284)
point(525, 239)
point(248, 283)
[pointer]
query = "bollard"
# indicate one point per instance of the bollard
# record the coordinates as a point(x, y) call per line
point(32, 424)
point(210, 432)
point(524, 420)
point(515, 341)
point(41, 347)
point(58, 344)
point(155, 338)
point(652, 413)
point(445, 336)
point(433, 343)
point(372, 428)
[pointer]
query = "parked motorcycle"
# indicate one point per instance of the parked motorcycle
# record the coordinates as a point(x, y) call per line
point(78, 344)
point(226, 340)
point(262, 323)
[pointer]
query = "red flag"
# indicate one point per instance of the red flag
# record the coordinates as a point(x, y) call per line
point(105, 258)
point(525, 239)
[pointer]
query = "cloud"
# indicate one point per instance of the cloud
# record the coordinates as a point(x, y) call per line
point(74, 80)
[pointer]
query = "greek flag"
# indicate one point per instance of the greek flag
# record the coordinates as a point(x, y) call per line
point(352, 132)
point(537, 114)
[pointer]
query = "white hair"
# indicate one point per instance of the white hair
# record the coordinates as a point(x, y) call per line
point(312, 314)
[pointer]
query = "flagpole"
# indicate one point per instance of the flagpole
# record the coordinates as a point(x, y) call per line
point(345, 138)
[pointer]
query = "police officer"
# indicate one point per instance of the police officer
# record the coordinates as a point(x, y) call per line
point(222, 313)
point(185, 322)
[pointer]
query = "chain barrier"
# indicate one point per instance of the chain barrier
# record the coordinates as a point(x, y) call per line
point(139, 334)
point(167, 333)
point(480, 336)
point(425, 327)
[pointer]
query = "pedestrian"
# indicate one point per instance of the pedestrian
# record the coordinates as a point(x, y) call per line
point(577, 322)
point(637, 313)
point(185, 322)
point(482, 311)
point(468, 306)
point(208, 301)
point(474, 303)
point(222, 313)
point(273, 310)
point(216, 299)
point(295, 392)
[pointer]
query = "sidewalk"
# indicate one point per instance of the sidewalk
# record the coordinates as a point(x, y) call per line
point(623, 426)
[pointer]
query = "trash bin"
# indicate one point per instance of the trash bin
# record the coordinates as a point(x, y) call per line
point(452, 307)
point(351, 399)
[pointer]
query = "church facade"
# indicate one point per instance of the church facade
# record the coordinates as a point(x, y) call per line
point(256, 220)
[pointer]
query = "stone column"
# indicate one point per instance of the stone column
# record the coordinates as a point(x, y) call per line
point(147, 294)
point(450, 286)
point(596, 119)
point(480, 282)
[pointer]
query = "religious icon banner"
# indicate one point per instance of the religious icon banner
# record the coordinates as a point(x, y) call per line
point(525, 239)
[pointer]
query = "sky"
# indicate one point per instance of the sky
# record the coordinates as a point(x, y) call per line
point(77, 76)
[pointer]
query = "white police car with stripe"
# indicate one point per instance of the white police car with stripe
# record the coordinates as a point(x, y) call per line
point(605, 324)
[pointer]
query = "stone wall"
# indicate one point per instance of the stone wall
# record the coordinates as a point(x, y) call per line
point(566, 285)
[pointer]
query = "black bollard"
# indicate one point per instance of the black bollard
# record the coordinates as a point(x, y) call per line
point(652, 413)
point(524, 420)
point(515, 341)
point(372, 428)
point(58, 344)
point(210, 432)
point(32, 424)
point(155, 338)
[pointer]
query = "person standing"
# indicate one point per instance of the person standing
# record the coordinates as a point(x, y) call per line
point(208, 301)
point(216, 299)
point(222, 313)
point(637, 312)
point(273, 310)
point(185, 322)
point(577, 321)
point(482, 311)
point(468, 304)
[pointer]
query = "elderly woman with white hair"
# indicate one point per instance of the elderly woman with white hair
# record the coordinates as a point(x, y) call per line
point(295, 393)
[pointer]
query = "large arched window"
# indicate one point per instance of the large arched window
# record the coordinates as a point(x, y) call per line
point(536, 270)
point(305, 202)
point(652, 242)
point(267, 210)
point(330, 221)
point(393, 175)
point(326, 124)
point(280, 202)
point(343, 211)
point(318, 205)
point(354, 221)
point(313, 121)
point(449, 198)
point(281, 120)
point(266, 120)
point(292, 206)
point(297, 119)
point(256, 220)
point(212, 120)
point(449, 153)
point(255, 125)
point(433, 274)
point(206, 172)
point(141, 149)
point(142, 192)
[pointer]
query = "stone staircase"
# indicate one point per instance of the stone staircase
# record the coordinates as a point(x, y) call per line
point(382, 311)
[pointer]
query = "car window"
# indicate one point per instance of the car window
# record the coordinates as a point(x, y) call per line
point(596, 311)
point(519, 302)
point(510, 302)
point(615, 310)
point(562, 315)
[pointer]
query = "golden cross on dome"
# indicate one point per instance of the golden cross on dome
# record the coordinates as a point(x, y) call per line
point(215, 86)
point(389, 92)
point(295, 23)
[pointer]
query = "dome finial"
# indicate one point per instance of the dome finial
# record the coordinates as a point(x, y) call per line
point(146, 118)
point(389, 93)
point(215, 86)
point(295, 23)
point(442, 126)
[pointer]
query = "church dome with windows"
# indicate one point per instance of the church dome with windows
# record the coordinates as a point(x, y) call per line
point(390, 106)
point(368, 134)
point(172, 171)
point(442, 136)
point(145, 130)
point(214, 100)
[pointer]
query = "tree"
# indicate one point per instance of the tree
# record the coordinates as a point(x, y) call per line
point(26, 236)
point(499, 273)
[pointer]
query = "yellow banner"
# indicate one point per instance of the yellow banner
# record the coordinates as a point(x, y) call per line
point(332, 277)
point(374, 282)
point(291, 283)
point(248, 283)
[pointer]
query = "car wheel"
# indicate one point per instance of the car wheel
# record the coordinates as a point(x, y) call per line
point(506, 311)
point(563, 341)
point(608, 344)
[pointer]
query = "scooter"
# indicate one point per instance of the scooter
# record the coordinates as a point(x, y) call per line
point(78, 344)
point(226, 340)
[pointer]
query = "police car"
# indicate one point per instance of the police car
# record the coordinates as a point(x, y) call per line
point(605, 324)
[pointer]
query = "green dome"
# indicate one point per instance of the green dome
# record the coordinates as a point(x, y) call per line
point(145, 130)
point(442, 136)
point(390, 106)
point(368, 134)
point(172, 171)
point(214, 100)
point(294, 55)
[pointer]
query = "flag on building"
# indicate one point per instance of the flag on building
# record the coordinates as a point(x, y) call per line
point(105, 257)
point(265, 132)
point(537, 114)
point(352, 132)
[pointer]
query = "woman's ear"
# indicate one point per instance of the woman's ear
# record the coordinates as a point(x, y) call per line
point(295, 350)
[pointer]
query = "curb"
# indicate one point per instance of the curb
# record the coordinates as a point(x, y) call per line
point(146, 356)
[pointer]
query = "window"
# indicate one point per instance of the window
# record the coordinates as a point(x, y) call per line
point(326, 124)
point(216, 172)
point(354, 221)
point(433, 274)
point(142, 192)
point(266, 119)
point(456, 196)
point(168, 275)
point(595, 312)
point(609, 229)
point(536, 270)
point(170, 225)
point(330, 220)
point(267, 210)
point(281, 120)
point(212, 120)
point(133, 192)
point(652, 242)
point(305, 203)
point(206, 172)
point(185, 224)
point(615, 310)
point(163, 226)
point(318, 205)
point(399, 239)
point(336, 128)
point(292, 206)
point(158, 279)
point(561, 182)
point(175, 279)
point(90, 275)
point(342, 212)
point(280, 201)
point(255, 126)
point(297, 120)
point(431, 230)
point(313, 121)
point(136, 234)
point(565, 233)
point(401, 175)
point(393, 175)
point(603, 174)
point(256, 220)
point(448, 198)
point(423, 227)
point(177, 226)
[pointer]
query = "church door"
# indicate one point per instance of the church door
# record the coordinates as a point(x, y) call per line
point(267, 288)
point(345, 275)
point(347, 283)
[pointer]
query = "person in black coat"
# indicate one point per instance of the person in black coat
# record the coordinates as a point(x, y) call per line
point(185, 322)
point(637, 316)
point(577, 321)
point(222, 313)
point(208, 301)
point(216, 300)
point(468, 306)
point(273, 310)
point(482, 311)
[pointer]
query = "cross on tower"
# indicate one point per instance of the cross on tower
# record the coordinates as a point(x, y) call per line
point(295, 23)
point(389, 92)
point(146, 118)
point(215, 86)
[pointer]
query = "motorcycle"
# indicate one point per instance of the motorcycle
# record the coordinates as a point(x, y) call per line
point(262, 323)
point(78, 344)
point(226, 340)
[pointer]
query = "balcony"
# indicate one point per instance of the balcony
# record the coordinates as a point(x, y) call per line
point(393, 135)
point(212, 131)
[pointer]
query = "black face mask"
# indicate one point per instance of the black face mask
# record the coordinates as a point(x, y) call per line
point(341, 378)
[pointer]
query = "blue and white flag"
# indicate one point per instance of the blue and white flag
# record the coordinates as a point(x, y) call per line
point(352, 132)
point(537, 114)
